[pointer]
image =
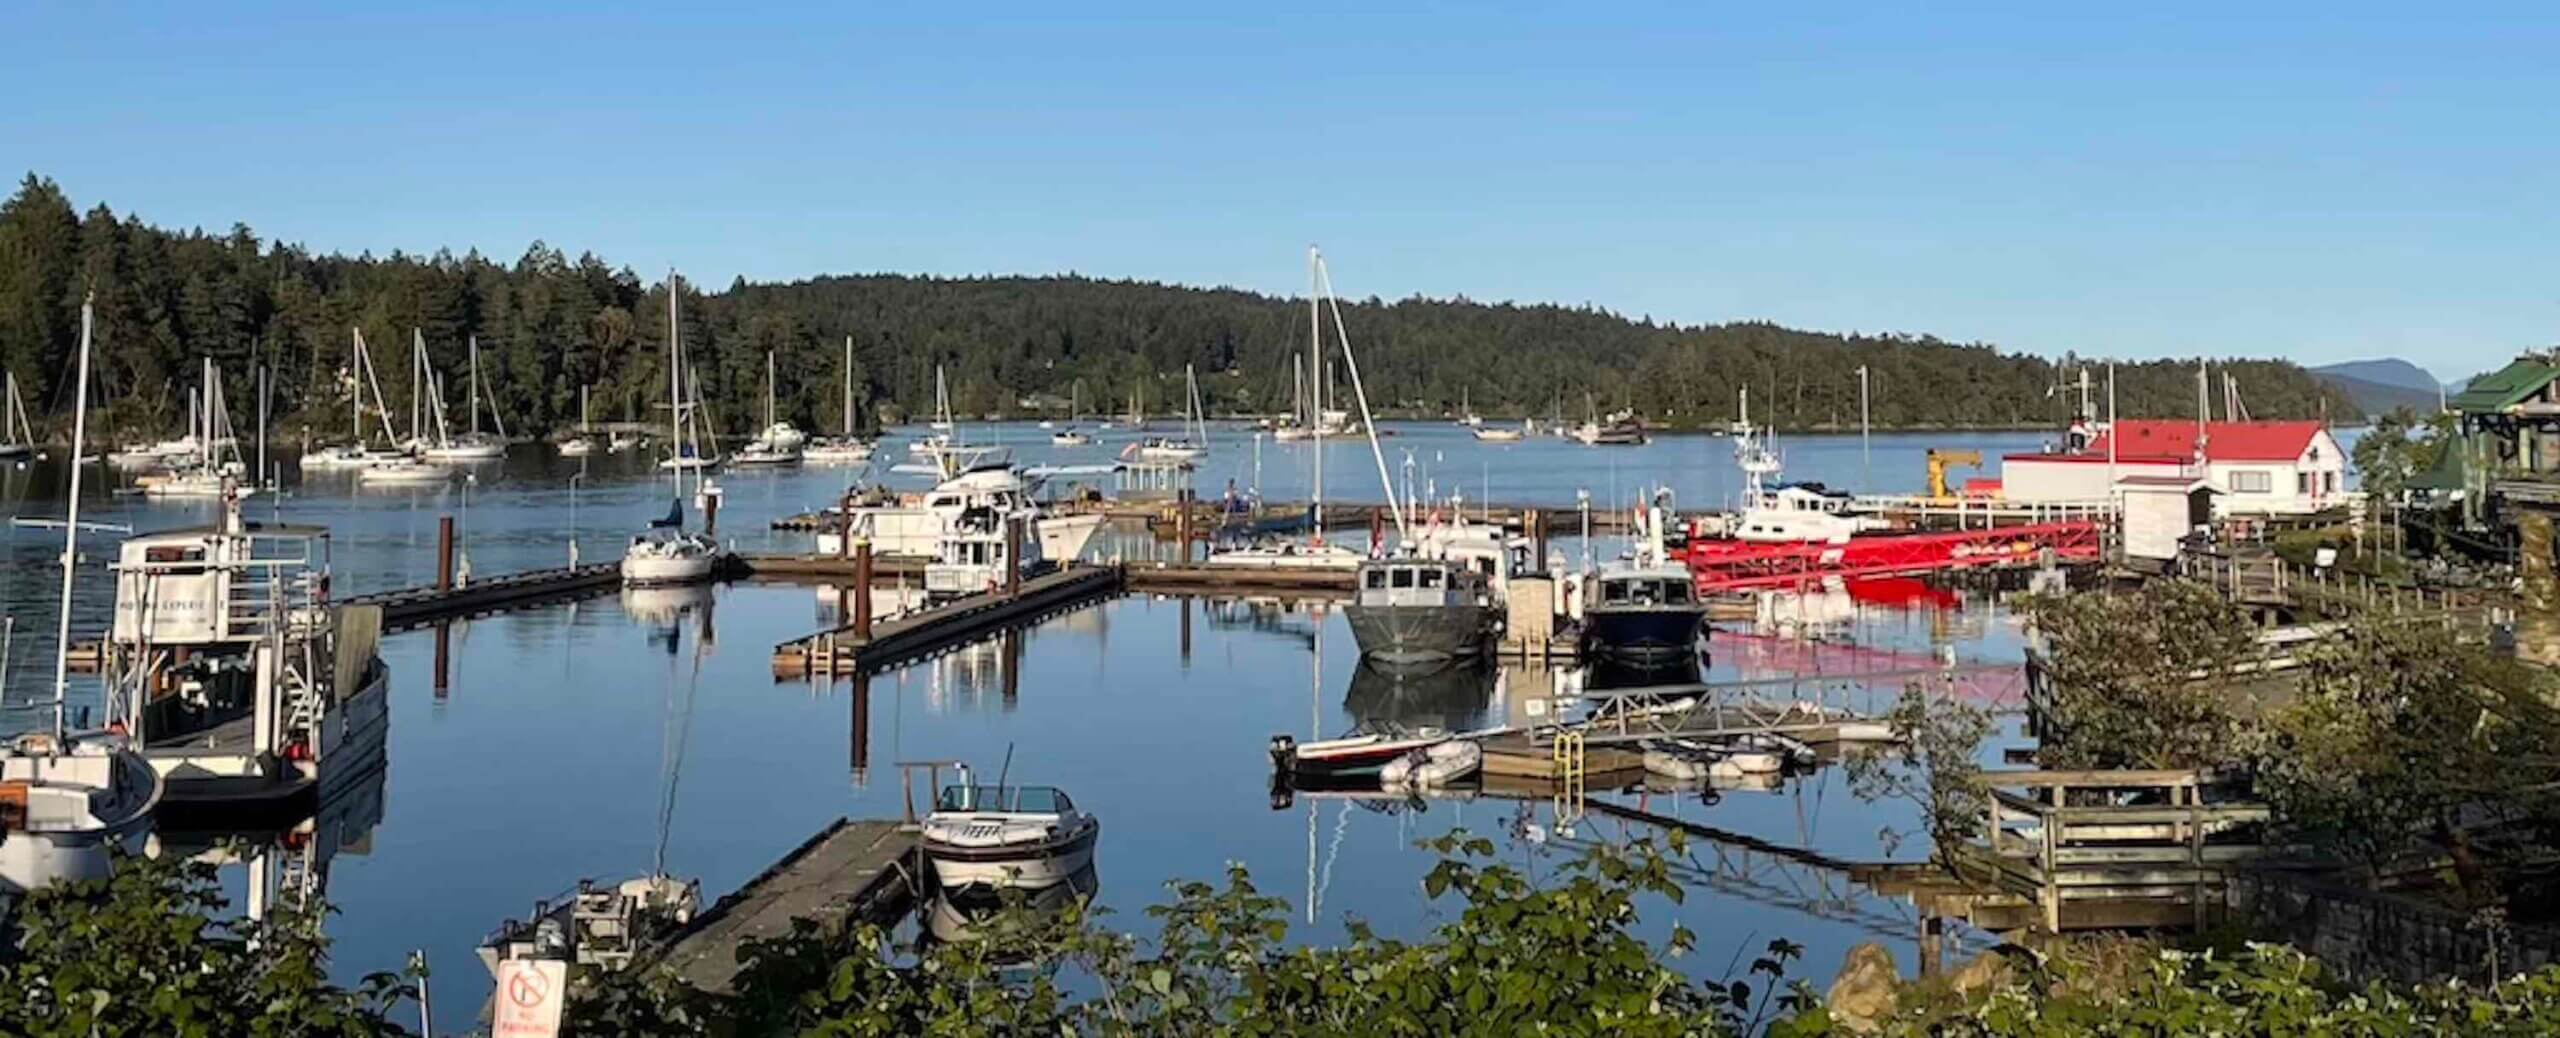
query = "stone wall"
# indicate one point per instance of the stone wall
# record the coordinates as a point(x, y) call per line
point(2369, 935)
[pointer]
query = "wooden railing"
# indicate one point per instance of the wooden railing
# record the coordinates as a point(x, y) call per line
point(2115, 844)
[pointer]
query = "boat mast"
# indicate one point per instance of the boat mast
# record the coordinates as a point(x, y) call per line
point(848, 386)
point(1315, 360)
point(768, 389)
point(675, 386)
point(71, 525)
point(474, 349)
point(1368, 421)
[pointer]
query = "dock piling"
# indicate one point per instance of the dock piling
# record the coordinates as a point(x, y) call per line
point(1013, 558)
point(444, 553)
point(861, 587)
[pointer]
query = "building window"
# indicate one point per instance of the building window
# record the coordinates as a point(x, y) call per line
point(2252, 481)
point(2302, 483)
point(2329, 482)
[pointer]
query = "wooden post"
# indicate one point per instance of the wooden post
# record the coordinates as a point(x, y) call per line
point(1013, 557)
point(861, 589)
point(444, 553)
point(1536, 521)
point(711, 515)
point(1182, 525)
point(861, 728)
point(844, 550)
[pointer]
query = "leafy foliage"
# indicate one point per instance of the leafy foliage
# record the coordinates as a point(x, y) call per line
point(144, 952)
point(2260, 990)
point(2398, 447)
point(1933, 765)
point(2134, 678)
point(549, 324)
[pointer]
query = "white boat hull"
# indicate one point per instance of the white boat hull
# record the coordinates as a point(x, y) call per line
point(645, 571)
point(1033, 867)
point(403, 474)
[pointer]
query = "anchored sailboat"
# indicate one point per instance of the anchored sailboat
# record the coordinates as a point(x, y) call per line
point(847, 448)
point(666, 554)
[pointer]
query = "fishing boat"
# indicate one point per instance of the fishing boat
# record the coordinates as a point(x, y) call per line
point(237, 677)
point(1007, 836)
point(17, 436)
point(1409, 610)
point(1645, 611)
point(584, 442)
point(845, 448)
point(71, 803)
point(472, 445)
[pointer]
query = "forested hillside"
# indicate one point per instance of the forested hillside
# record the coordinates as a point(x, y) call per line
point(549, 323)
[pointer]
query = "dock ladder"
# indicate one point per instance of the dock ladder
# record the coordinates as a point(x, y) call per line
point(1572, 767)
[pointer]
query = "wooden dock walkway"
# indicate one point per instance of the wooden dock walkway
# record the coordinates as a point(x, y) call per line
point(839, 650)
point(419, 606)
point(868, 871)
point(1165, 578)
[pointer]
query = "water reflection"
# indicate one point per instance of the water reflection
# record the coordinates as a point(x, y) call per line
point(286, 866)
point(1456, 698)
point(979, 912)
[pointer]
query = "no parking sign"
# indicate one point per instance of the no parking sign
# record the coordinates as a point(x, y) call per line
point(529, 995)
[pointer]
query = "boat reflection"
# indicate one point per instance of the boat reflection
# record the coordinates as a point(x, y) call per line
point(1451, 697)
point(664, 608)
point(1010, 919)
point(287, 865)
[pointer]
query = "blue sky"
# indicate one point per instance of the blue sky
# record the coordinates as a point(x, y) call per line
point(2322, 182)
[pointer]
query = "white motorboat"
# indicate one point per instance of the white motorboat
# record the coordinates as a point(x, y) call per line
point(1290, 555)
point(1030, 837)
point(403, 473)
point(1070, 438)
point(915, 527)
point(597, 926)
point(1351, 757)
point(783, 436)
point(1498, 434)
point(765, 454)
point(1162, 449)
point(1776, 512)
point(577, 447)
point(197, 484)
point(832, 450)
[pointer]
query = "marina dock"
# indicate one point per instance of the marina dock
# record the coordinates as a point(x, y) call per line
point(863, 646)
point(419, 606)
point(866, 871)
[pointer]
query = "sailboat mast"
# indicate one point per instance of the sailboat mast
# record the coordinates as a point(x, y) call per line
point(768, 389)
point(475, 385)
point(1315, 400)
point(675, 385)
point(71, 525)
point(848, 385)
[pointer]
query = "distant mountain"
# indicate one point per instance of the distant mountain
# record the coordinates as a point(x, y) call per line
point(2390, 371)
point(2375, 398)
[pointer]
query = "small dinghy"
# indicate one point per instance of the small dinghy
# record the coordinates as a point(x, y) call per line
point(998, 836)
point(1350, 757)
point(1432, 767)
point(1692, 760)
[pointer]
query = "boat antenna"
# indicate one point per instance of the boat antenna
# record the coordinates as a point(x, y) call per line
point(71, 521)
point(1006, 770)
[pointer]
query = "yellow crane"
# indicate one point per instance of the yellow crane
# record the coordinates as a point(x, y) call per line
point(1940, 461)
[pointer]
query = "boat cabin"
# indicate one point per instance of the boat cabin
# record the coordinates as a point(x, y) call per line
point(1637, 589)
point(1418, 582)
point(1012, 800)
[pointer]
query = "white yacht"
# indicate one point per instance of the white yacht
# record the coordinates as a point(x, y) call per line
point(914, 526)
point(1785, 513)
point(998, 836)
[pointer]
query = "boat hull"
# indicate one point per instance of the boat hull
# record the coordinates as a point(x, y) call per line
point(1647, 637)
point(1026, 866)
point(1407, 634)
point(642, 571)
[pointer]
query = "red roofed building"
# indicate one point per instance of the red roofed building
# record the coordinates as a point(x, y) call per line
point(2258, 467)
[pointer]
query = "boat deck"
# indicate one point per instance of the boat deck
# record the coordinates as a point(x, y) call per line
point(859, 871)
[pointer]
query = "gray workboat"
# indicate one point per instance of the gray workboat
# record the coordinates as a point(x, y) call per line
point(1417, 610)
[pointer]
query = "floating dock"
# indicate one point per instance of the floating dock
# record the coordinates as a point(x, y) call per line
point(844, 650)
point(419, 606)
point(867, 871)
point(1236, 580)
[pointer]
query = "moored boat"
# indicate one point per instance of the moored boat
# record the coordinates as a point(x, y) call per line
point(1007, 836)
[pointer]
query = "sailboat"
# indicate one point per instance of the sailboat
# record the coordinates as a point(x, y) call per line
point(846, 449)
point(357, 452)
point(17, 437)
point(943, 451)
point(79, 800)
point(1315, 553)
point(941, 402)
point(780, 443)
point(584, 443)
point(666, 554)
point(1175, 449)
point(685, 447)
point(1467, 415)
point(209, 475)
point(1072, 436)
point(473, 445)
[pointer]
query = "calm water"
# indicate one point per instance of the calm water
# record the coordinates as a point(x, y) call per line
point(590, 740)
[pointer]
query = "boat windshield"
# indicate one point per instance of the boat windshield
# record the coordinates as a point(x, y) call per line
point(1023, 799)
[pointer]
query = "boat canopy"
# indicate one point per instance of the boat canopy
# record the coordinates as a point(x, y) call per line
point(1016, 799)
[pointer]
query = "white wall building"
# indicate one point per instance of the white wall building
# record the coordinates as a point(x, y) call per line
point(2255, 468)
